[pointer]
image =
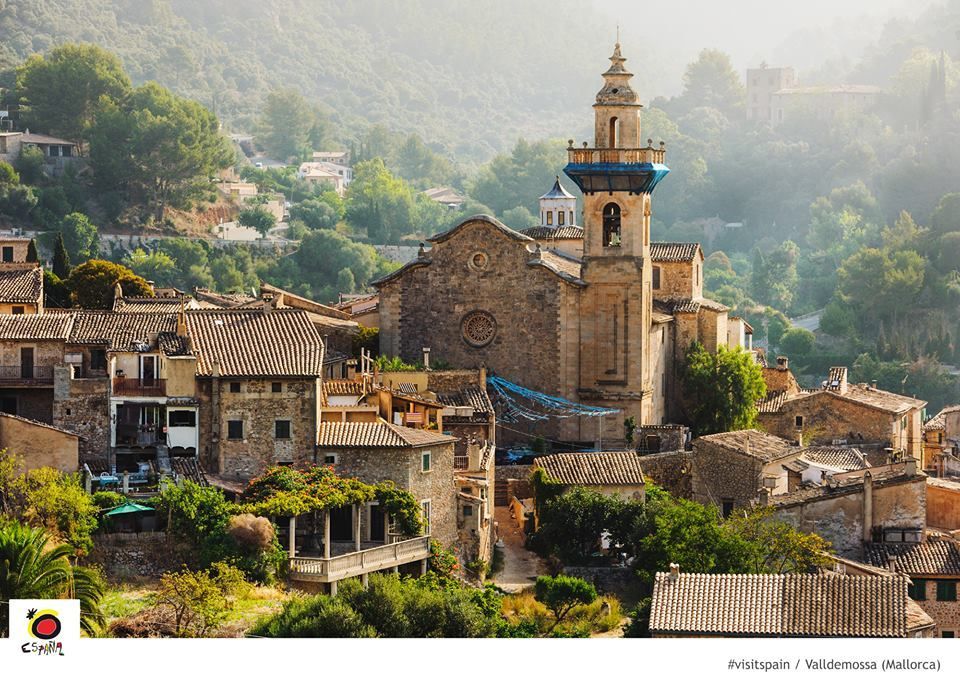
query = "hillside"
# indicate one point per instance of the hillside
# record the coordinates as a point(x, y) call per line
point(471, 76)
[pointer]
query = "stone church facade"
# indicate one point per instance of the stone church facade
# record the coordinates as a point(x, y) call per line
point(596, 314)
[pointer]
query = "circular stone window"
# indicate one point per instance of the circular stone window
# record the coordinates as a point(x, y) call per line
point(478, 328)
point(480, 261)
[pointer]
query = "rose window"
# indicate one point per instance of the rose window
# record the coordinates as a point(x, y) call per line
point(478, 328)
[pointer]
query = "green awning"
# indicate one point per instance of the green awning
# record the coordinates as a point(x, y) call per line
point(129, 508)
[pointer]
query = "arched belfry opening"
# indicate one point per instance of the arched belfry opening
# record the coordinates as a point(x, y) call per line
point(614, 132)
point(611, 225)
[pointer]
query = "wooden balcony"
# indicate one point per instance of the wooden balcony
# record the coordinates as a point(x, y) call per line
point(616, 156)
point(357, 563)
point(154, 388)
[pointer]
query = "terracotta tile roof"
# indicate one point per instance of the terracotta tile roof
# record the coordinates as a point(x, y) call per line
point(36, 326)
point(549, 232)
point(254, 342)
point(144, 305)
point(593, 469)
point(342, 387)
point(468, 396)
point(208, 299)
point(121, 332)
point(940, 557)
point(772, 403)
point(939, 420)
point(844, 483)
point(751, 442)
point(376, 435)
point(880, 399)
point(840, 457)
point(789, 605)
point(173, 345)
point(688, 305)
point(674, 252)
point(564, 266)
point(21, 286)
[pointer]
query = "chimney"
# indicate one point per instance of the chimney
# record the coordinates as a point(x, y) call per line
point(783, 363)
point(763, 497)
point(426, 358)
point(873, 384)
point(800, 439)
point(867, 508)
point(842, 380)
point(474, 451)
point(267, 304)
point(351, 369)
point(910, 467)
point(674, 571)
point(892, 562)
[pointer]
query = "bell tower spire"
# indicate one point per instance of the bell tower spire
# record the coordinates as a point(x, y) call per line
point(617, 108)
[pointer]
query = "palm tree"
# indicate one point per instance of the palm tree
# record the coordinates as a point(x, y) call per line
point(32, 568)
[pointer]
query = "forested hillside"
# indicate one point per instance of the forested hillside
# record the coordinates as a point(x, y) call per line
point(470, 75)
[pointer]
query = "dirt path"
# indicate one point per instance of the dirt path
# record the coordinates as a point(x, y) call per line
point(520, 567)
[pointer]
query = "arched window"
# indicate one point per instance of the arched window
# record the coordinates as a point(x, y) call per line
point(611, 225)
point(614, 133)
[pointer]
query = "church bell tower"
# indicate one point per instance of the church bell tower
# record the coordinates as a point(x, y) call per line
point(617, 177)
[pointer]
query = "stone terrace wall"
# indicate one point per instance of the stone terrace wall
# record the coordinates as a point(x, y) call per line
point(143, 555)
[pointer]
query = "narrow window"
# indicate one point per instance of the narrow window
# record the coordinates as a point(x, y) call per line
point(282, 429)
point(727, 507)
point(235, 429)
point(425, 509)
point(98, 360)
point(549, 217)
point(276, 387)
point(798, 421)
point(611, 225)
point(561, 218)
point(234, 386)
point(425, 462)
point(656, 277)
point(7, 254)
point(467, 511)
point(614, 132)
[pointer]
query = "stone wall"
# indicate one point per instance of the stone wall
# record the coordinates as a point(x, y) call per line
point(512, 480)
point(82, 406)
point(402, 466)
point(608, 580)
point(943, 504)
point(258, 407)
point(39, 445)
point(719, 475)
point(670, 471)
point(138, 555)
point(676, 280)
point(946, 614)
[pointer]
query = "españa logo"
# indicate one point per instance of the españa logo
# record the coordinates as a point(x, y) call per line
point(44, 626)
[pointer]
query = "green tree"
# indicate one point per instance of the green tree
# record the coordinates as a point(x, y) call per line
point(562, 594)
point(773, 546)
point(796, 342)
point(61, 92)
point(315, 616)
point(288, 126)
point(712, 81)
point(155, 266)
point(519, 218)
point(199, 600)
point(315, 213)
point(91, 284)
point(259, 218)
point(33, 567)
point(572, 522)
point(160, 148)
point(32, 255)
point(722, 389)
point(8, 176)
point(946, 216)
point(518, 179)
point(80, 237)
point(878, 283)
point(61, 259)
point(379, 202)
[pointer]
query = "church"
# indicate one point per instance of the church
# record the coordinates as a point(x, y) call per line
point(594, 313)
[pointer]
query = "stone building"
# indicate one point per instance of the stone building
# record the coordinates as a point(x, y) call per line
point(762, 83)
point(416, 460)
point(785, 605)
point(941, 442)
point(934, 571)
point(851, 510)
point(21, 281)
point(841, 412)
point(943, 505)
point(572, 312)
point(614, 474)
point(39, 445)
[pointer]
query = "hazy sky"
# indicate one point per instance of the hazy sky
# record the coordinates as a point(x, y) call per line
point(667, 34)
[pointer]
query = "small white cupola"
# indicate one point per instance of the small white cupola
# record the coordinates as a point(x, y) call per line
point(558, 207)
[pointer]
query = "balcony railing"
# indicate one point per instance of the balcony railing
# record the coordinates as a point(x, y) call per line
point(360, 562)
point(592, 156)
point(461, 462)
point(147, 387)
point(26, 374)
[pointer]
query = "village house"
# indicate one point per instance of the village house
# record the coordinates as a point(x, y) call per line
point(608, 312)
point(851, 510)
point(943, 506)
point(879, 422)
point(21, 281)
point(784, 605)
point(337, 176)
point(934, 570)
point(445, 196)
point(617, 474)
point(941, 442)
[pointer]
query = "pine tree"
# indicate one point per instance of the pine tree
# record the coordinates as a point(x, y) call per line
point(61, 259)
point(32, 252)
